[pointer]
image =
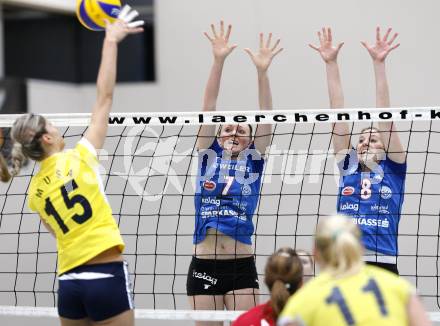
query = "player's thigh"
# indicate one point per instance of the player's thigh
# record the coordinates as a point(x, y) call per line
point(242, 299)
point(75, 322)
point(207, 302)
point(123, 319)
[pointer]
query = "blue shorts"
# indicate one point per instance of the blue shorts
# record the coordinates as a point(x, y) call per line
point(97, 292)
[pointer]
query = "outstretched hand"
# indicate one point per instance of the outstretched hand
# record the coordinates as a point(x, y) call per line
point(124, 25)
point(383, 47)
point(328, 52)
point(265, 55)
point(220, 41)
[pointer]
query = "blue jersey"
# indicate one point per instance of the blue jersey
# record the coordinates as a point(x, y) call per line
point(374, 200)
point(227, 193)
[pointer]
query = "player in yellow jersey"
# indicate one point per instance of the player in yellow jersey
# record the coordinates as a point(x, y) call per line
point(347, 292)
point(67, 192)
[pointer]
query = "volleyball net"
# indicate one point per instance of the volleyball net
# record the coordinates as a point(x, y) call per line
point(149, 167)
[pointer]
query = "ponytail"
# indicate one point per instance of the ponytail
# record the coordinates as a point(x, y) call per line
point(26, 139)
point(283, 277)
point(279, 295)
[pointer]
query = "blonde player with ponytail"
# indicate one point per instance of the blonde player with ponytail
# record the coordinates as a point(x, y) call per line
point(67, 193)
point(348, 292)
point(283, 276)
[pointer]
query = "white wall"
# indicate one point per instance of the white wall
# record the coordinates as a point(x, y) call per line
point(298, 77)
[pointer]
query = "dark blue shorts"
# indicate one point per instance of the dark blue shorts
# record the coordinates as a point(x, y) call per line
point(97, 292)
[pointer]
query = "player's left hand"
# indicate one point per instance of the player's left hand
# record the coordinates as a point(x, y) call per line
point(383, 46)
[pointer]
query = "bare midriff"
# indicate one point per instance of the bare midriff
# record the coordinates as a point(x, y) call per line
point(217, 245)
point(107, 256)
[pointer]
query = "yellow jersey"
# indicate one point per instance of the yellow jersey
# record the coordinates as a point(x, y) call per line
point(373, 296)
point(68, 194)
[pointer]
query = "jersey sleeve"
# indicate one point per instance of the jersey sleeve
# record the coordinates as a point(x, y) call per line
point(87, 151)
point(31, 199)
point(397, 169)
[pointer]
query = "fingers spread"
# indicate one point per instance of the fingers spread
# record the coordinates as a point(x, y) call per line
point(275, 45)
point(269, 40)
point(213, 31)
point(314, 47)
point(395, 47)
point(248, 51)
point(386, 35)
point(277, 51)
point(329, 34)
point(340, 45)
point(228, 33)
point(393, 38)
point(209, 37)
point(321, 39)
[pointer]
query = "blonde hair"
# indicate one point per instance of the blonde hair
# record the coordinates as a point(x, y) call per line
point(283, 277)
point(26, 139)
point(338, 244)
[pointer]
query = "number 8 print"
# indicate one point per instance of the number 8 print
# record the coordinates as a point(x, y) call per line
point(366, 188)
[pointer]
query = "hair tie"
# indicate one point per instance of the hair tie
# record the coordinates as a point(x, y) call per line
point(336, 234)
point(284, 254)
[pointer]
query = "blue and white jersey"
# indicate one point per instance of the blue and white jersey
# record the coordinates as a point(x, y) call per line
point(374, 200)
point(227, 193)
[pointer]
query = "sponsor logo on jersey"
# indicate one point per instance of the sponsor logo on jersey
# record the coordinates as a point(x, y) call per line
point(246, 190)
point(207, 286)
point(221, 212)
point(377, 178)
point(382, 209)
point(205, 277)
point(347, 191)
point(349, 206)
point(385, 192)
point(210, 200)
point(371, 222)
point(209, 185)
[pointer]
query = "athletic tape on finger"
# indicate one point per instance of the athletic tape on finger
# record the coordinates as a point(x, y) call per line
point(132, 15)
point(124, 11)
point(136, 23)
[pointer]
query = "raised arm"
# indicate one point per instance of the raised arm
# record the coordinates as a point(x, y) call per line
point(114, 34)
point(262, 61)
point(388, 133)
point(220, 49)
point(329, 53)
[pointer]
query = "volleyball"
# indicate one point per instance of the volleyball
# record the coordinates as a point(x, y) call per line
point(92, 13)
